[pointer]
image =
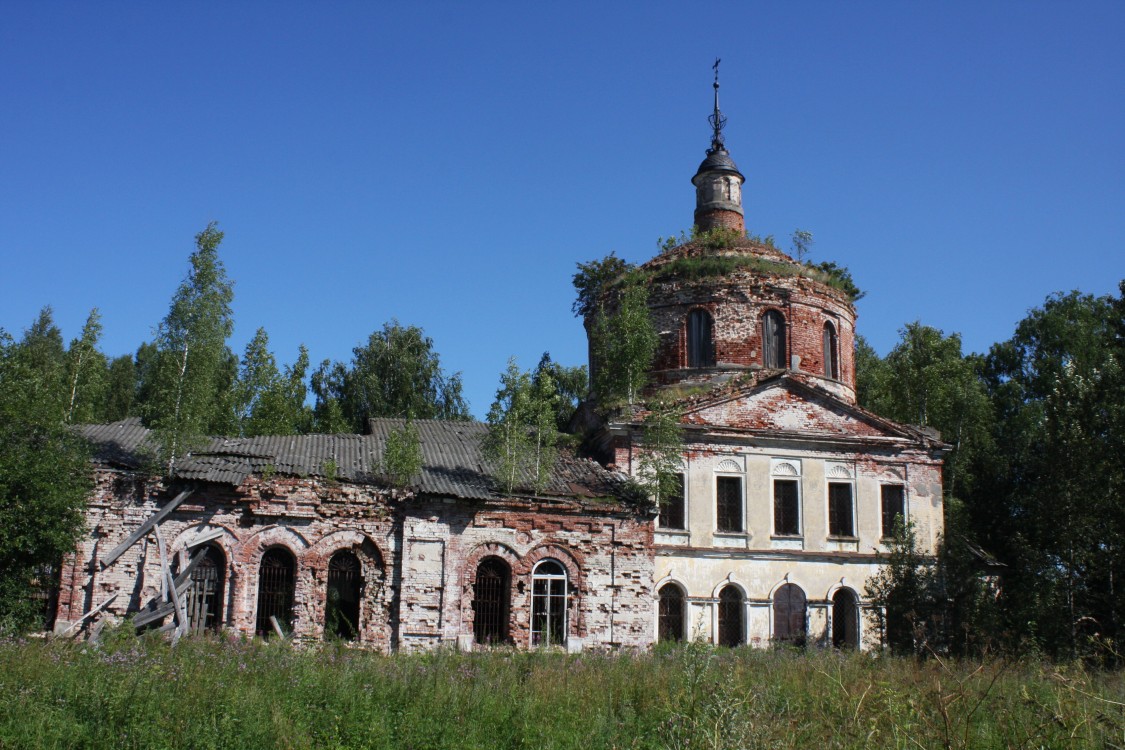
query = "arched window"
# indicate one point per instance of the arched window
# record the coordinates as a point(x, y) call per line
point(789, 615)
point(731, 629)
point(773, 340)
point(672, 614)
point(203, 600)
point(701, 345)
point(345, 592)
point(492, 595)
point(831, 348)
point(276, 579)
point(845, 619)
point(548, 604)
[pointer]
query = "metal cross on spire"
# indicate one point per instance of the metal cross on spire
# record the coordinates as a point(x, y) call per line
point(716, 119)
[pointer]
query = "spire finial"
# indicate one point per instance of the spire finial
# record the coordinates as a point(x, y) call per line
point(716, 119)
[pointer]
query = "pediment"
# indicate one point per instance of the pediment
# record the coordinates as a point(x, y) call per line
point(788, 407)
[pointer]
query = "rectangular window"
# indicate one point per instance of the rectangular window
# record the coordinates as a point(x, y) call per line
point(841, 515)
point(672, 510)
point(894, 507)
point(786, 508)
point(728, 491)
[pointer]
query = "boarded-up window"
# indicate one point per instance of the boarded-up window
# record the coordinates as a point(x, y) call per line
point(893, 507)
point(345, 592)
point(841, 516)
point(731, 610)
point(548, 604)
point(276, 580)
point(786, 508)
point(773, 340)
point(491, 601)
point(203, 600)
point(728, 511)
point(831, 366)
point(789, 615)
point(701, 344)
point(672, 515)
point(845, 619)
point(672, 614)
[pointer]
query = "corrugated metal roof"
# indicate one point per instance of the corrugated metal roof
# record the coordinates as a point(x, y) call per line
point(453, 464)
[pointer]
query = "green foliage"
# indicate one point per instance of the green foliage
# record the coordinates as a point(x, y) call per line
point(570, 384)
point(402, 455)
point(522, 437)
point(268, 402)
point(839, 277)
point(592, 281)
point(396, 373)
point(661, 457)
point(44, 470)
point(623, 344)
point(121, 390)
point(906, 596)
point(802, 244)
point(192, 368)
point(86, 374)
point(234, 693)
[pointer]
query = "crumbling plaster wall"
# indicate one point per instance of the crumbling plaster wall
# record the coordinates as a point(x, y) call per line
point(418, 557)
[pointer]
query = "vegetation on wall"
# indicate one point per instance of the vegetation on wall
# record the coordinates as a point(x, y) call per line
point(522, 436)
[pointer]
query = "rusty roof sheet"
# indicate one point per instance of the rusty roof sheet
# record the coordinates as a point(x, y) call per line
point(453, 463)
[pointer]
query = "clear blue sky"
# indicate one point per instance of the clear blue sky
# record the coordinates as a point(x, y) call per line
point(448, 164)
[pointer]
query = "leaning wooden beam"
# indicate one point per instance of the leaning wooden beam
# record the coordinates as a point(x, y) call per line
point(145, 527)
point(170, 587)
point(87, 616)
point(157, 610)
point(277, 626)
point(205, 537)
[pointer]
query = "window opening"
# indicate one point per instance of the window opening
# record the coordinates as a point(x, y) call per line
point(491, 601)
point(44, 592)
point(789, 615)
point(845, 619)
point(672, 615)
point(786, 508)
point(345, 592)
point(728, 493)
point(841, 516)
point(548, 604)
point(276, 579)
point(731, 612)
point(203, 601)
point(831, 366)
point(894, 507)
point(773, 340)
point(701, 344)
point(672, 513)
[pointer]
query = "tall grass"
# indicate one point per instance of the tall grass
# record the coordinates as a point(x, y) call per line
point(233, 693)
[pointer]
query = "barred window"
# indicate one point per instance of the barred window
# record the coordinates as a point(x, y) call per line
point(841, 510)
point(492, 597)
point(276, 580)
point(732, 630)
point(786, 508)
point(672, 613)
point(203, 600)
point(728, 510)
point(671, 507)
point(845, 619)
point(894, 507)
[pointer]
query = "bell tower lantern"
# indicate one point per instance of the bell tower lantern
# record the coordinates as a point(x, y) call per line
point(718, 183)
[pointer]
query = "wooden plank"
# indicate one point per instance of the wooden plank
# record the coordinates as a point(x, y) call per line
point(205, 537)
point(277, 626)
point(170, 587)
point(145, 527)
point(154, 611)
point(87, 616)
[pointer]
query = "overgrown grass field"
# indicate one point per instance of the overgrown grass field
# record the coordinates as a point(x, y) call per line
point(230, 693)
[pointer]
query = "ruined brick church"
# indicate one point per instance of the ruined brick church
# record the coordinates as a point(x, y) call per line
point(787, 489)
